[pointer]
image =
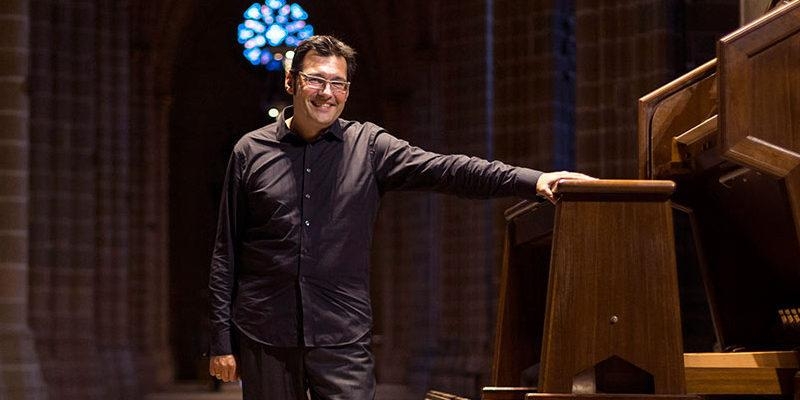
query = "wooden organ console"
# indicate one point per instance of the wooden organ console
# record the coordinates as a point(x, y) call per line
point(728, 135)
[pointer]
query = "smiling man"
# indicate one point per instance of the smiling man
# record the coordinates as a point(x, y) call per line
point(289, 278)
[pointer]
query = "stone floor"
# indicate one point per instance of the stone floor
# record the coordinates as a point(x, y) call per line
point(197, 391)
point(231, 391)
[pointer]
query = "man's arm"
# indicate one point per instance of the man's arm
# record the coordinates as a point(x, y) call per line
point(400, 166)
point(221, 280)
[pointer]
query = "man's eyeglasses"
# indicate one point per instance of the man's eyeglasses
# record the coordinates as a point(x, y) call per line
point(318, 83)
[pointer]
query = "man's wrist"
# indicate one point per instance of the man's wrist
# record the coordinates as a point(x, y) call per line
point(525, 185)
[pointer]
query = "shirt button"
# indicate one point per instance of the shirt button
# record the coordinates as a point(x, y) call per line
point(308, 170)
point(307, 223)
point(308, 196)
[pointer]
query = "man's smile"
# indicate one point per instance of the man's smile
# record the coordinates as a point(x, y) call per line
point(322, 104)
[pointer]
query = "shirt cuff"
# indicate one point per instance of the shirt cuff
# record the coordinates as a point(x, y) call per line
point(525, 186)
point(221, 343)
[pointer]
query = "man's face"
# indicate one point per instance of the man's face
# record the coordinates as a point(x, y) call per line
point(316, 108)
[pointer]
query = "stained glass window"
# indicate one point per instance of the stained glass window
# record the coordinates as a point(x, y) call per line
point(270, 29)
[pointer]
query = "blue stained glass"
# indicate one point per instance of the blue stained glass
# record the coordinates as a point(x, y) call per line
point(298, 13)
point(295, 26)
point(275, 4)
point(256, 26)
point(258, 41)
point(305, 33)
point(253, 55)
point(245, 33)
point(275, 23)
point(253, 12)
point(275, 34)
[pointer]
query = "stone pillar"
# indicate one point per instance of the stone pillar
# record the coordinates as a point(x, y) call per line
point(143, 285)
point(113, 206)
point(63, 234)
point(157, 238)
point(75, 202)
point(20, 373)
point(149, 278)
point(154, 40)
point(41, 83)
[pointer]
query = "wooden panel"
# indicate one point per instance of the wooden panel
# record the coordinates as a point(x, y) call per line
point(613, 289)
point(523, 285)
point(764, 157)
point(759, 72)
point(670, 111)
point(750, 359)
point(758, 373)
point(755, 381)
point(691, 145)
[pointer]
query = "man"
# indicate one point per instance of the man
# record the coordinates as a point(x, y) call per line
point(290, 269)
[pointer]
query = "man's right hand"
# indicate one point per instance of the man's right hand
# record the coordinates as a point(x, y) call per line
point(223, 368)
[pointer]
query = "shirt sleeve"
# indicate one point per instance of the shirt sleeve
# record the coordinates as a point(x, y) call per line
point(223, 260)
point(400, 166)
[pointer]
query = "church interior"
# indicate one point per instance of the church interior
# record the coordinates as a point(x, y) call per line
point(117, 119)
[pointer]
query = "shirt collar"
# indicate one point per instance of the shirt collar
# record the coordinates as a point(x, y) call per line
point(335, 130)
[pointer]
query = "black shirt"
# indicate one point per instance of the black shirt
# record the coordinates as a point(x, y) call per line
point(296, 222)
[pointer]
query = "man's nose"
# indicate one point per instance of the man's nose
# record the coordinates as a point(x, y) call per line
point(327, 89)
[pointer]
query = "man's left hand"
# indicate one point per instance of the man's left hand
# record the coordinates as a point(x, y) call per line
point(548, 182)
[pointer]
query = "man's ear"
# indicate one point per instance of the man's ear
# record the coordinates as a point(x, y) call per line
point(289, 83)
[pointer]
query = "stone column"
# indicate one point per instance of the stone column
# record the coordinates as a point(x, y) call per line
point(41, 181)
point(149, 280)
point(113, 206)
point(142, 287)
point(154, 39)
point(157, 216)
point(20, 373)
point(63, 189)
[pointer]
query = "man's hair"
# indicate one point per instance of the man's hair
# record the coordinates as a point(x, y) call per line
point(325, 46)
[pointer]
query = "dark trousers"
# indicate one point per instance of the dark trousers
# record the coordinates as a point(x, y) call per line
point(288, 373)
